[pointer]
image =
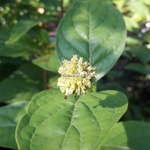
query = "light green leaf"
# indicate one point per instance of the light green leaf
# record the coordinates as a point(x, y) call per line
point(140, 10)
point(119, 4)
point(9, 117)
point(94, 30)
point(147, 2)
point(131, 24)
point(133, 41)
point(48, 62)
point(82, 123)
point(130, 135)
point(22, 84)
point(21, 28)
point(137, 67)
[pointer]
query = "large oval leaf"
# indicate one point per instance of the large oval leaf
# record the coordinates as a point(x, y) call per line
point(94, 30)
point(130, 135)
point(53, 123)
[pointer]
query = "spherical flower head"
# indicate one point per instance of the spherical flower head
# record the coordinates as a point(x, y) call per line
point(76, 76)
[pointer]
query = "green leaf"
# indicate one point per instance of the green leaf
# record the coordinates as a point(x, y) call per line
point(140, 10)
point(94, 30)
point(50, 3)
point(119, 4)
point(131, 25)
point(4, 35)
point(82, 123)
point(133, 41)
point(113, 86)
point(43, 36)
point(142, 52)
point(9, 117)
point(147, 2)
point(22, 84)
point(48, 62)
point(52, 82)
point(137, 67)
point(25, 47)
point(21, 28)
point(130, 135)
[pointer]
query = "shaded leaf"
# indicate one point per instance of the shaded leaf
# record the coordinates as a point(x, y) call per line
point(52, 82)
point(94, 30)
point(81, 123)
point(137, 67)
point(22, 48)
point(22, 84)
point(43, 36)
point(21, 28)
point(130, 135)
point(49, 3)
point(142, 52)
point(9, 117)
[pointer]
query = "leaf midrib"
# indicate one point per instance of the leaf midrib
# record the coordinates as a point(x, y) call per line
point(89, 37)
point(69, 124)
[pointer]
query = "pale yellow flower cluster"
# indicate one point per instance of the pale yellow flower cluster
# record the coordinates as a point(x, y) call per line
point(76, 76)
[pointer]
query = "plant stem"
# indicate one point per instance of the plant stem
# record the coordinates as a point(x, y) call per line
point(44, 79)
point(62, 9)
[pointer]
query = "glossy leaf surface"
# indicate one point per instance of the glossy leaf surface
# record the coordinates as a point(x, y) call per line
point(82, 123)
point(94, 30)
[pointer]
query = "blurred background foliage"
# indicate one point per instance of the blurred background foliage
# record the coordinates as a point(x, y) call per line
point(27, 50)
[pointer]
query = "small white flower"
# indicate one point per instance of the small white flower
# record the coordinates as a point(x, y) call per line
point(76, 76)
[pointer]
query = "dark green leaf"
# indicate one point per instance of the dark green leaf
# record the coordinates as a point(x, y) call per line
point(94, 30)
point(22, 84)
point(82, 123)
point(43, 36)
point(9, 117)
point(21, 28)
point(131, 135)
point(143, 53)
point(49, 3)
point(137, 67)
point(22, 48)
